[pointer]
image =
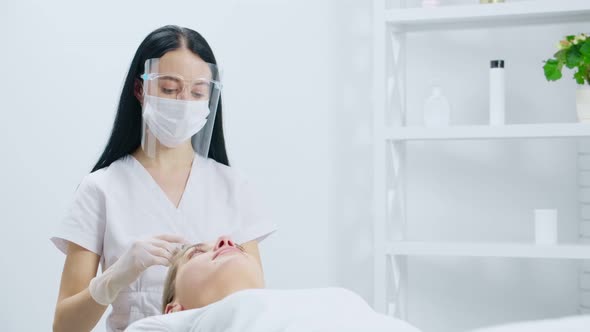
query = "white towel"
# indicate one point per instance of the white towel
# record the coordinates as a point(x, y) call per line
point(264, 310)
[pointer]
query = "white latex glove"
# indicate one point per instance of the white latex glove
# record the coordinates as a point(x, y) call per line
point(142, 254)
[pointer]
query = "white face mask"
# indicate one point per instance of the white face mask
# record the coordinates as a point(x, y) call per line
point(174, 121)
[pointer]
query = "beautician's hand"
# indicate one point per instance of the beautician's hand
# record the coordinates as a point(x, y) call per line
point(142, 254)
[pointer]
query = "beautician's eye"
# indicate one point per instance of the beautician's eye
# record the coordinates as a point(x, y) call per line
point(168, 91)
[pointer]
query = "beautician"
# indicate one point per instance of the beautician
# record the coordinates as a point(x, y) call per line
point(163, 180)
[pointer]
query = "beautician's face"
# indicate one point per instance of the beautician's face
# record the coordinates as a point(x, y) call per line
point(184, 73)
point(212, 271)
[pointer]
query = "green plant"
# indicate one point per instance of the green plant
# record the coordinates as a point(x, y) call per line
point(574, 52)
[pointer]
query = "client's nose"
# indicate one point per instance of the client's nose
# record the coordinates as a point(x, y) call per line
point(224, 241)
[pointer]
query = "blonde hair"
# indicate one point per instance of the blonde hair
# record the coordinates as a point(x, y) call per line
point(170, 282)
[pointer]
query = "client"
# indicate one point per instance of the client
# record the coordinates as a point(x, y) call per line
point(220, 287)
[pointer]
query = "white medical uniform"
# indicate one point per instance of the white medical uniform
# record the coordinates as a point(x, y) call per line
point(117, 205)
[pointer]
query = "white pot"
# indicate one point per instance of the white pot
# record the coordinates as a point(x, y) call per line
point(583, 102)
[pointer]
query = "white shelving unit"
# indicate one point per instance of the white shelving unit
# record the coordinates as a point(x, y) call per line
point(528, 131)
point(389, 66)
point(476, 15)
point(509, 250)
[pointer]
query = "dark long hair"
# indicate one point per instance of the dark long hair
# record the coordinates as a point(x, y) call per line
point(126, 133)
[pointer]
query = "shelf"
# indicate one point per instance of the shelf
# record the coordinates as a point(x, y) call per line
point(484, 15)
point(510, 250)
point(516, 131)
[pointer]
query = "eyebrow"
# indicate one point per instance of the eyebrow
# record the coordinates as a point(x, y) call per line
point(201, 83)
point(171, 78)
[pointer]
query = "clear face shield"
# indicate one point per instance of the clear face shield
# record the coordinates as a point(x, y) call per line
point(180, 98)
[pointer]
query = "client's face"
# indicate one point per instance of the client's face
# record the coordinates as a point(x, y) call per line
point(209, 272)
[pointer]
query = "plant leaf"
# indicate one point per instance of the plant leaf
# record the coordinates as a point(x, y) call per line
point(585, 48)
point(579, 76)
point(584, 71)
point(552, 70)
point(573, 58)
point(560, 55)
point(570, 38)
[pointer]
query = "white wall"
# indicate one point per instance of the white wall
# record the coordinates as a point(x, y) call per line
point(64, 64)
point(298, 112)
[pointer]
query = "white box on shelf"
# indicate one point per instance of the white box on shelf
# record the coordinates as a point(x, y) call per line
point(584, 178)
point(584, 195)
point(584, 146)
point(546, 226)
point(585, 229)
point(584, 162)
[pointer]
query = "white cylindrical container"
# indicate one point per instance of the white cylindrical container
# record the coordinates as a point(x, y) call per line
point(583, 102)
point(497, 93)
point(546, 226)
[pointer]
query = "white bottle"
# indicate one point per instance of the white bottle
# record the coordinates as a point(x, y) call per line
point(430, 3)
point(497, 93)
point(437, 110)
point(546, 226)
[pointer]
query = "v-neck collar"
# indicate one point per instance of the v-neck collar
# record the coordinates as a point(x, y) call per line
point(156, 187)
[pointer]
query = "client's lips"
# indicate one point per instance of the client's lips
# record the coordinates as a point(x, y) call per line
point(225, 250)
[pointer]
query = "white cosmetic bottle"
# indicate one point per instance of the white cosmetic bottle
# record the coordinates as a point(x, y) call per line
point(437, 110)
point(497, 93)
point(430, 3)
